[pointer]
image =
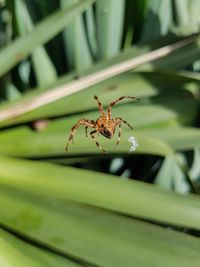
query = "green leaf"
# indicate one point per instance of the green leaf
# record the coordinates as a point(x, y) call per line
point(42, 33)
point(128, 83)
point(43, 67)
point(34, 198)
point(194, 14)
point(157, 20)
point(182, 12)
point(91, 32)
point(110, 16)
point(180, 138)
point(127, 197)
point(17, 253)
point(180, 59)
point(89, 80)
point(150, 119)
point(143, 85)
point(76, 45)
point(194, 170)
point(171, 176)
point(53, 142)
point(94, 235)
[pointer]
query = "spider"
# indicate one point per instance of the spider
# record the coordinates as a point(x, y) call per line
point(105, 124)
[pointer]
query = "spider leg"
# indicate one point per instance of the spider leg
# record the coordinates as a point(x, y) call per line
point(99, 105)
point(116, 101)
point(92, 134)
point(119, 134)
point(86, 122)
point(118, 120)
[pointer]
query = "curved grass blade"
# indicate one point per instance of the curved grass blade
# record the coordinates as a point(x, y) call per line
point(105, 191)
point(18, 253)
point(110, 18)
point(92, 79)
point(94, 235)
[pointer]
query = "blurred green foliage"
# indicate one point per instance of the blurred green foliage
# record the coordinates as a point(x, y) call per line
point(86, 208)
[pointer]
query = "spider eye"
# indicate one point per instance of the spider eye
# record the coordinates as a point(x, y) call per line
point(102, 125)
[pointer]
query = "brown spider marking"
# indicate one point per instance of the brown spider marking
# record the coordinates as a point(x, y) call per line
point(105, 124)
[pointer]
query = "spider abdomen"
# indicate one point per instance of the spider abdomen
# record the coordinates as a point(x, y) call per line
point(105, 127)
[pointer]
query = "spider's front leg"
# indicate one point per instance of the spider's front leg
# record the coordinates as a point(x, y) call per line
point(119, 120)
point(86, 122)
point(118, 100)
point(92, 134)
point(100, 107)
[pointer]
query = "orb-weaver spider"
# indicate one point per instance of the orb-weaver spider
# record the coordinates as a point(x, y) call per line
point(105, 124)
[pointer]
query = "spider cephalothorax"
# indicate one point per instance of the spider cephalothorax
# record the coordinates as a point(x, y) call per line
point(105, 124)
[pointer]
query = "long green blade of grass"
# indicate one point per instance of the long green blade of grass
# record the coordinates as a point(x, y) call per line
point(17, 253)
point(143, 85)
point(159, 14)
point(110, 17)
point(92, 79)
point(76, 44)
point(94, 235)
point(132, 198)
point(44, 70)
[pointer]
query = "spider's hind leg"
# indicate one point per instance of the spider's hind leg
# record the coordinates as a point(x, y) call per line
point(119, 134)
point(86, 122)
point(92, 134)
